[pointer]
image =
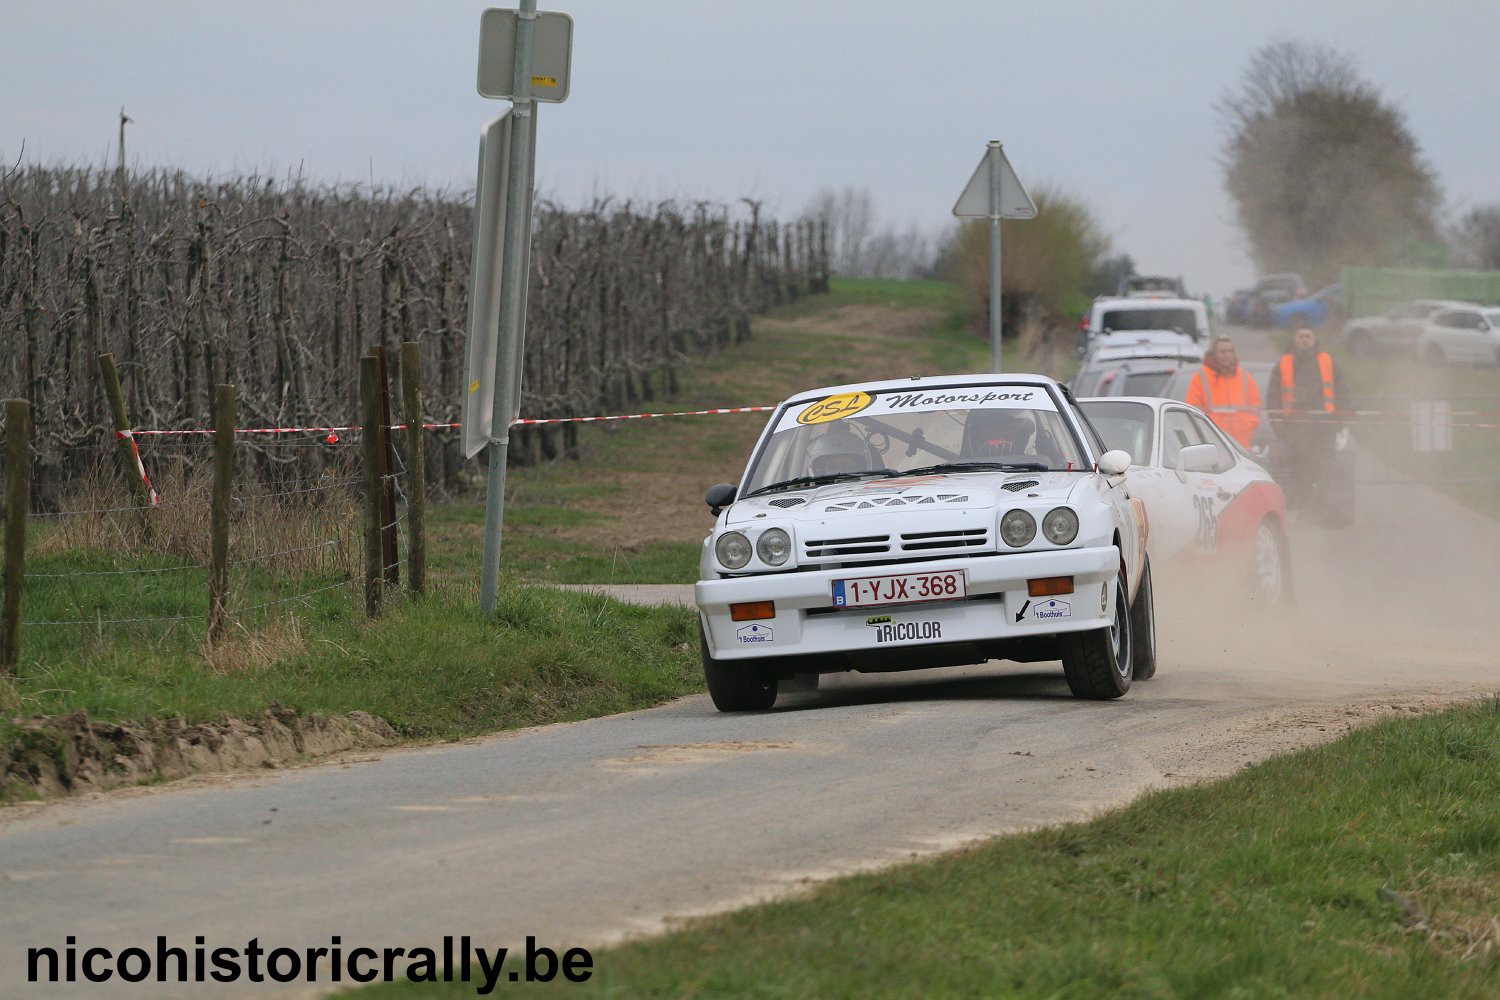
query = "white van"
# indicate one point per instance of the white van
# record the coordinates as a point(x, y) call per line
point(1128, 318)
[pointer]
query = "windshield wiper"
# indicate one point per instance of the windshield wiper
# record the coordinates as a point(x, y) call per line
point(975, 466)
point(823, 480)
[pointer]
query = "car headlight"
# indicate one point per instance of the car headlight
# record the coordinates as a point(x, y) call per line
point(732, 550)
point(1060, 525)
point(773, 546)
point(1018, 528)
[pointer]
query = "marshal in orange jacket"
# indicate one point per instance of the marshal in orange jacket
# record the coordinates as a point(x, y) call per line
point(1233, 401)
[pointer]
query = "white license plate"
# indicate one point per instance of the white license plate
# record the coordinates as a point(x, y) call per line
point(903, 588)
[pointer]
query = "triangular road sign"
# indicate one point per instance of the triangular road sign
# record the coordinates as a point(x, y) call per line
point(974, 203)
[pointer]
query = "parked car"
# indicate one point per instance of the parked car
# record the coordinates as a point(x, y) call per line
point(1207, 501)
point(1396, 330)
point(1113, 316)
point(1314, 311)
point(1269, 292)
point(1129, 376)
point(1469, 333)
point(925, 522)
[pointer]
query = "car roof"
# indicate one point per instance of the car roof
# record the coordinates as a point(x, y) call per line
point(1144, 301)
point(1155, 402)
point(1119, 352)
point(926, 382)
point(1144, 363)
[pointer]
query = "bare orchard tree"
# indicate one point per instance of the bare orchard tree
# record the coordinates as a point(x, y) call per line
point(1322, 170)
point(281, 287)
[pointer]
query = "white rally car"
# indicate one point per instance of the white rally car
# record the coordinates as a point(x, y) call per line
point(1211, 505)
point(926, 522)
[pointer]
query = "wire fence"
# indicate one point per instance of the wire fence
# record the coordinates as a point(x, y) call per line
point(97, 562)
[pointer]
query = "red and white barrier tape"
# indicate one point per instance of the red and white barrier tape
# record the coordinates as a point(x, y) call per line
point(140, 468)
point(520, 422)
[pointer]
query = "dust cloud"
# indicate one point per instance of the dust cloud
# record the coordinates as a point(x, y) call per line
point(1405, 599)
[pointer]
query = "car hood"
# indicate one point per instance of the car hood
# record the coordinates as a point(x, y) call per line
point(971, 490)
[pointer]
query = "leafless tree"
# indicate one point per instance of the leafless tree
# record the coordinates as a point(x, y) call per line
point(1323, 171)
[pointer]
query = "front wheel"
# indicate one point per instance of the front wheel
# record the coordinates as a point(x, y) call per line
point(1097, 663)
point(1270, 577)
point(737, 687)
point(1143, 629)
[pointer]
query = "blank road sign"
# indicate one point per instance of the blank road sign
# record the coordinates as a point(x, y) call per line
point(551, 54)
point(1015, 203)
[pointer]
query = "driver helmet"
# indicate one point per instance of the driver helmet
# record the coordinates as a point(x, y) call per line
point(838, 449)
point(998, 432)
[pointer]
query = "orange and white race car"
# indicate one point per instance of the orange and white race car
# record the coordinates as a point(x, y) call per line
point(1208, 501)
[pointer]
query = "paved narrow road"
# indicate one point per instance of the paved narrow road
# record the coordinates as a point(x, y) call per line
point(582, 833)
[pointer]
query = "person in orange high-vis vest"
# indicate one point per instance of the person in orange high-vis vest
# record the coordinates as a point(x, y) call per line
point(1307, 410)
point(1226, 392)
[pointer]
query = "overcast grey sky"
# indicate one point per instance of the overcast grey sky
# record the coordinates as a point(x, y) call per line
point(773, 99)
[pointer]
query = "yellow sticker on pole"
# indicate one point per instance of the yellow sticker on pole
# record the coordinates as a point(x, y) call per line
point(474, 385)
point(845, 404)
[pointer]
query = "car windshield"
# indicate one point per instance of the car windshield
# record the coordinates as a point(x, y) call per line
point(1124, 425)
point(959, 429)
point(1125, 320)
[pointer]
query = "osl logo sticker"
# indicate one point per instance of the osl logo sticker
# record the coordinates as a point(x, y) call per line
point(835, 407)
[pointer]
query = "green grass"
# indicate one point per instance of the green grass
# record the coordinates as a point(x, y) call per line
point(1268, 884)
point(431, 667)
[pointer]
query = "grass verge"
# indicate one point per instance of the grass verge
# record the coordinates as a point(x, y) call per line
point(1366, 868)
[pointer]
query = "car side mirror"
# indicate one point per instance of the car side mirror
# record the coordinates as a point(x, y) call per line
point(1196, 458)
point(1114, 463)
point(719, 496)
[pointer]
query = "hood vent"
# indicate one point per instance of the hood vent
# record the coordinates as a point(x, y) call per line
point(787, 502)
point(903, 500)
point(1024, 484)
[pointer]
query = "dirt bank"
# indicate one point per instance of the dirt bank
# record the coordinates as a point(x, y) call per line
point(67, 754)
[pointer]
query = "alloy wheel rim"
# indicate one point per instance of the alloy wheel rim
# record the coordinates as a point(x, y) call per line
point(1268, 564)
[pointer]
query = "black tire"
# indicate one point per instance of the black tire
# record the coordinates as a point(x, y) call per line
point(737, 686)
point(1143, 629)
point(1097, 663)
point(1270, 576)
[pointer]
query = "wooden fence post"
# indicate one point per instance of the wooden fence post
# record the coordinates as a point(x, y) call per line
point(369, 398)
point(129, 463)
point(17, 502)
point(416, 466)
point(390, 536)
point(218, 559)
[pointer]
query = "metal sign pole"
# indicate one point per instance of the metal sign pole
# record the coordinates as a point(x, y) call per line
point(995, 327)
point(994, 193)
point(515, 272)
